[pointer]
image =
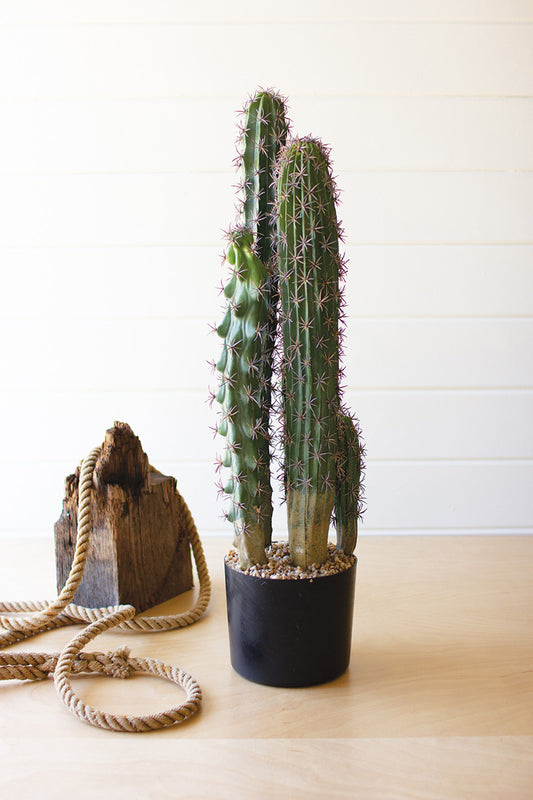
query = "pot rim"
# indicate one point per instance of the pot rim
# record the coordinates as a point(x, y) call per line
point(272, 579)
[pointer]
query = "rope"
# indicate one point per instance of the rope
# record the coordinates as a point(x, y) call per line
point(119, 664)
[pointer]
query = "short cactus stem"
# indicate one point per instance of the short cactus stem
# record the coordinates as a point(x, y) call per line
point(348, 500)
point(309, 268)
point(241, 394)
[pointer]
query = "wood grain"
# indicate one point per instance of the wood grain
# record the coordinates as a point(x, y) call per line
point(139, 549)
point(437, 703)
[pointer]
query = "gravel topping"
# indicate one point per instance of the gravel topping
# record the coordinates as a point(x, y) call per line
point(279, 567)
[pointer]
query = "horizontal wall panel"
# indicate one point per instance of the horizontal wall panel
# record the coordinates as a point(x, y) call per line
point(426, 495)
point(437, 207)
point(65, 426)
point(445, 425)
point(173, 354)
point(420, 133)
point(471, 281)
point(118, 135)
point(193, 209)
point(400, 496)
point(105, 355)
point(347, 58)
point(118, 282)
point(150, 282)
point(150, 11)
point(439, 353)
point(177, 426)
point(116, 209)
point(47, 482)
point(165, 135)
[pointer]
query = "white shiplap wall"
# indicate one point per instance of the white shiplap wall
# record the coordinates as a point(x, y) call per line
point(116, 143)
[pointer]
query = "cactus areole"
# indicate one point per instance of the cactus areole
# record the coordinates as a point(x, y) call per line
point(280, 352)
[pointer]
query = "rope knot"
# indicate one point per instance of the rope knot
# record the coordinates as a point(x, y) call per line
point(48, 666)
point(118, 665)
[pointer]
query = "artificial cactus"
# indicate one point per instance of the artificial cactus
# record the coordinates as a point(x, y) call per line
point(348, 491)
point(309, 269)
point(245, 331)
point(286, 265)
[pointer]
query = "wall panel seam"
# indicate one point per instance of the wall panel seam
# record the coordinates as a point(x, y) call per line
point(271, 22)
point(315, 96)
point(231, 173)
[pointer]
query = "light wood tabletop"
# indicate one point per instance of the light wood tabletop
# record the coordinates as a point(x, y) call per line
point(437, 702)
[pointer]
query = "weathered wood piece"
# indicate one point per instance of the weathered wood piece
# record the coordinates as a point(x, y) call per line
point(139, 549)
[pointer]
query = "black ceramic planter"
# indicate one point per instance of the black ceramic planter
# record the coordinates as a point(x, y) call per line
point(290, 632)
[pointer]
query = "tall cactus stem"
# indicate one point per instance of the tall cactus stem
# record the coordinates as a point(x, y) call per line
point(265, 128)
point(309, 267)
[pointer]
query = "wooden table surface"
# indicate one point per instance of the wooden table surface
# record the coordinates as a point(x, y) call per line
point(437, 703)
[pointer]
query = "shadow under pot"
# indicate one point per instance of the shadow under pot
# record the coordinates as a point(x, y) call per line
point(290, 632)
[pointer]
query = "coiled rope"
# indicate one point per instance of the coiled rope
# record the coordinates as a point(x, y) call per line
point(119, 664)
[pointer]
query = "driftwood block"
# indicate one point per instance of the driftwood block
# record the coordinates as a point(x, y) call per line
point(139, 549)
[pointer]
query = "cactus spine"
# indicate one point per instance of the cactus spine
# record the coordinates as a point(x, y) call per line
point(309, 268)
point(245, 331)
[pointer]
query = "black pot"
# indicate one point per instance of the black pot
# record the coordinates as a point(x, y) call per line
point(290, 632)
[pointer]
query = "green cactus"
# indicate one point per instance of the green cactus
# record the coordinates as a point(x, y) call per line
point(348, 492)
point(245, 331)
point(309, 268)
point(286, 270)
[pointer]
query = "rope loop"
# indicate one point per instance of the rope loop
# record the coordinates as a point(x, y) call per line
point(118, 664)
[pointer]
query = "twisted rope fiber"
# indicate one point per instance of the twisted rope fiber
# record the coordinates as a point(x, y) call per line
point(48, 615)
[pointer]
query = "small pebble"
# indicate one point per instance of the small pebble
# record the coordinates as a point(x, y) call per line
point(278, 564)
